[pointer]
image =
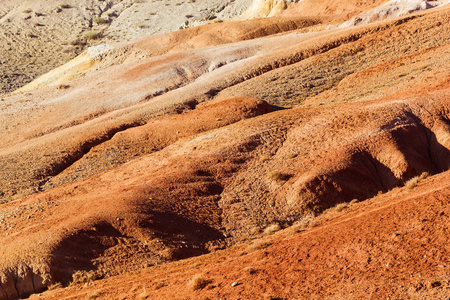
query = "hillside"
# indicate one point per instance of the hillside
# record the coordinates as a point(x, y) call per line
point(38, 36)
point(300, 155)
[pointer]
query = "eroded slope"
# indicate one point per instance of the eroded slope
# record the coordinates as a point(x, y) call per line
point(152, 159)
point(394, 245)
point(221, 187)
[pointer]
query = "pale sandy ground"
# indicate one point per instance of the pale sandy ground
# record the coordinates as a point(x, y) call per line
point(145, 18)
point(38, 36)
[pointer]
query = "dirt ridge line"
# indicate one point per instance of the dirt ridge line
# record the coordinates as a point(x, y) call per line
point(291, 59)
point(84, 149)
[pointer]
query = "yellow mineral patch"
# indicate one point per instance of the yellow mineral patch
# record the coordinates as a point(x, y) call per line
point(73, 69)
point(264, 8)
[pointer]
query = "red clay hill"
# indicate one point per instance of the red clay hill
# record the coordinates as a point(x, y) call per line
point(292, 157)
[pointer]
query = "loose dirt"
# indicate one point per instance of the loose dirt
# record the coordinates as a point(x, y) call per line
point(178, 156)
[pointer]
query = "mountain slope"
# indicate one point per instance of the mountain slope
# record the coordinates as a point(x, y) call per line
point(173, 146)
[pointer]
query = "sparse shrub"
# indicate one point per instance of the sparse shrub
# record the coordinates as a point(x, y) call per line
point(168, 253)
point(99, 20)
point(340, 207)
point(93, 295)
point(82, 277)
point(214, 246)
point(55, 286)
point(271, 229)
point(254, 230)
point(92, 35)
point(198, 282)
point(276, 175)
point(415, 180)
point(260, 245)
point(354, 201)
point(307, 221)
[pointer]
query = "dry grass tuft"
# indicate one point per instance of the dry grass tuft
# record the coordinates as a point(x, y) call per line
point(198, 282)
point(340, 207)
point(308, 221)
point(354, 201)
point(100, 20)
point(93, 295)
point(82, 277)
point(271, 229)
point(275, 175)
point(259, 245)
point(411, 183)
point(92, 35)
point(55, 286)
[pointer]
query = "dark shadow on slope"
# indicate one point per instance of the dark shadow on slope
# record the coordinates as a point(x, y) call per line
point(186, 238)
point(77, 251)
point(361, 178)
point(439, 154)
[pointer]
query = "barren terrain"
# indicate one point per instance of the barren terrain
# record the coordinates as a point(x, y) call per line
point(300, 156)
point(38, 36)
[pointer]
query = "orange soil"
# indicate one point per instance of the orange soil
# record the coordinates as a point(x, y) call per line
point(392, 246)
point(155, 159)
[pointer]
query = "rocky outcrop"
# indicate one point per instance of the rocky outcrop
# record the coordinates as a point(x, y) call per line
point(22, 281)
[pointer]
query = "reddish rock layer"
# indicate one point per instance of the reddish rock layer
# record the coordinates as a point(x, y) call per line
point(160, 158)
